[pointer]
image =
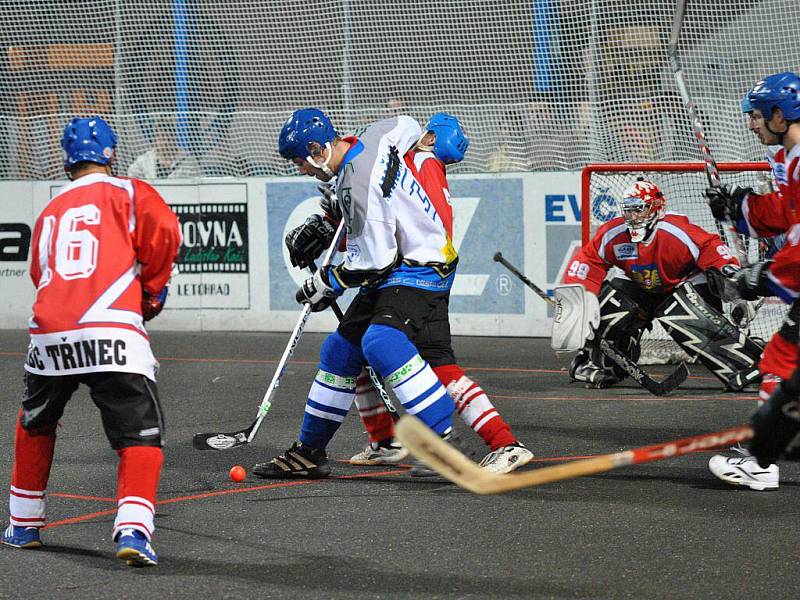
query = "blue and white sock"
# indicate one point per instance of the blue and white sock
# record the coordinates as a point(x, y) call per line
point(419, 390)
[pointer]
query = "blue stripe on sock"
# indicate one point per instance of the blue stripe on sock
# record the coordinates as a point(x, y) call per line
point(412, 403)
point(327, 408)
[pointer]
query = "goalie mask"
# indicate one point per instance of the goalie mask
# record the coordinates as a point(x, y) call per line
point(642, 205)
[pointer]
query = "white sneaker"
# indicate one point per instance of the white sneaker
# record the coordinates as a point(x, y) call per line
point(744, 470)
point(507, 458)
point(380, 453)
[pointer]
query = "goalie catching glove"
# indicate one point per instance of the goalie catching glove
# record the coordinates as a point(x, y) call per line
point(317, 292)
point(723, 284)
point(726, 202)
point(731, 282)
point(308, 241)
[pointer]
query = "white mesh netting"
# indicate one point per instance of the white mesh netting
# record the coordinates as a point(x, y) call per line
point(683, 185)
point(539, 84)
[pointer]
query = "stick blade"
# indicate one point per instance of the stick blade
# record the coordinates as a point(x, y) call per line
point(677, 377)
point(219, 441)
point(443, 458)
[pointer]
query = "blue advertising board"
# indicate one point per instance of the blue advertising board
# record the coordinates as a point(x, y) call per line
point(488, 216)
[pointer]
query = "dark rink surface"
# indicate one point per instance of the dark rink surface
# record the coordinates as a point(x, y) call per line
point(663, 530)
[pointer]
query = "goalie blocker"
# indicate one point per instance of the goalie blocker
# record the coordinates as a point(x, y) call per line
point(688, 316)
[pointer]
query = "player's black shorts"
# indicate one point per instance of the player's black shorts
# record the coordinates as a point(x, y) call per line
point(128, 404)
point(422, 315)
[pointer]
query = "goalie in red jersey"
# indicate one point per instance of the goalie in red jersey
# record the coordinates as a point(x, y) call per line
point(664, 259)
point(102, 255)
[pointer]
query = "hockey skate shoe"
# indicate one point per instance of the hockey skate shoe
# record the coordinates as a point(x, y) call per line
point(583, 369)
point(298, 462)
point(385, 452)
point(744, 470)
point(507, 458)
point(21, 537)
point(134, 548)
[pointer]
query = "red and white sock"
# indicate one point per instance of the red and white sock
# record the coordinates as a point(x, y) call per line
point(768, 385)
point(475, 408)
point(137, 484)
point(371, 409)
point(33, 457)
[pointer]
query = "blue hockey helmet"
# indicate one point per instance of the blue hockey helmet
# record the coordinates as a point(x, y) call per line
point(451, 144)
point(304, 126)
point(781, 90)
point(746, 108)
point(88, 139)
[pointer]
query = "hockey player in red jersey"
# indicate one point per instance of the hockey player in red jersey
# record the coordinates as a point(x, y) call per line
point(665, 258)
point(102, 254)
point(443, 142)
point(774, 116)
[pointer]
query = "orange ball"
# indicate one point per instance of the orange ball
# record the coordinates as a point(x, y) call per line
point(237, 473)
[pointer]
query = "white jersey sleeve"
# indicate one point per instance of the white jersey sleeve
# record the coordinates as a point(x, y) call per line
point(389, 217)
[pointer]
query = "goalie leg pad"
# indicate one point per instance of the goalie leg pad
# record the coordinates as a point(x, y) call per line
point(622, 322)
point(704, 332)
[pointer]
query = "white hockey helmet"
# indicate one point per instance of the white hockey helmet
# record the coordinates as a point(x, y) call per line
point(642, 205)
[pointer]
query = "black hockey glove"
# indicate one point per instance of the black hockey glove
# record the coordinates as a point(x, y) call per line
point(776, 424)
point(722, 282)
point(306, 242)
point(726, 202)
point(316, 292)
point(751, 282)
point(153, 305)
point(329, 203)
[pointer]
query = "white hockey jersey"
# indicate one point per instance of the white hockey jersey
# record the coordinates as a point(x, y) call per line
point(395, 236)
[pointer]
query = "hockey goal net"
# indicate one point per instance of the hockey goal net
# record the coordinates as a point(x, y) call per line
point(683, 185)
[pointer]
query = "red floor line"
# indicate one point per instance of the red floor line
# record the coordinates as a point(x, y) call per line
point(80, 497)
point(633, 398)
point(103, 513)
point(81, 518)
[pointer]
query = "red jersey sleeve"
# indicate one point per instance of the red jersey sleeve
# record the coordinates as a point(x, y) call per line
point(588, 268)
point(763, 215)
point(767, 215)
point(157, 237)
point(784, 273)
point(712, 252)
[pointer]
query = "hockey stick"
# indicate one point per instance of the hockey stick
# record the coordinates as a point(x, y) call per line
point(442, 457)
point(224, 441)
point(712, 172)
point(657, 388)
point(498, 257)
point(373, 376)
